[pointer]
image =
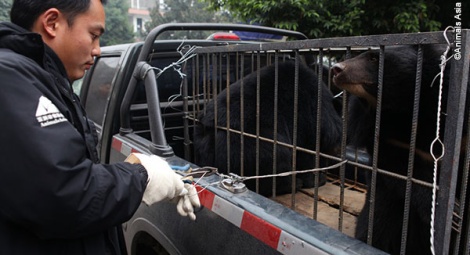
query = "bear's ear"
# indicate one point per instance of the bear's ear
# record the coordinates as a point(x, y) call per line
point(373, 58)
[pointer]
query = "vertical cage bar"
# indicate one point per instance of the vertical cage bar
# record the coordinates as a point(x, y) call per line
point(187, 141)
point(258, 98)
point(227, 117)
point(411, 155)
point(214, 73)
point(342, 169)
point(295, 119)
point(242, 116)
point(318, 131)
point(276, 96)
point(375, 153)
point(463, 230)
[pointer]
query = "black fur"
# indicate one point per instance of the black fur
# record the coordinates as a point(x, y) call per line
point(394, 140)
point(211, 150)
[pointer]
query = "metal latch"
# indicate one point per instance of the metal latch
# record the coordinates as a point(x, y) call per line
point(233, 184)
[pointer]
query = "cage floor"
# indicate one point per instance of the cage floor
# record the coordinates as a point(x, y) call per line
point(328, 205)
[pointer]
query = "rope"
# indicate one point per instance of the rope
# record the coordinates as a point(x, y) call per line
point(437, 140)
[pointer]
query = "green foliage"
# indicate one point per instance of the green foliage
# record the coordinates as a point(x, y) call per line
point(401, 16)
point(118, 28)
point(5, 6)
point(314, 18)
point(330, 18)
point(185, 11)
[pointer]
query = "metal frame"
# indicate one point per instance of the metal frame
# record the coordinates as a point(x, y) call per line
point(458, 82)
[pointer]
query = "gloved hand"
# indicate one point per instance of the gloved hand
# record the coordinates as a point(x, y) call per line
point(164, 184)
point(188, 202)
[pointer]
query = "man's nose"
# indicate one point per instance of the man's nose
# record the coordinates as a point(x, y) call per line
point(96, 52)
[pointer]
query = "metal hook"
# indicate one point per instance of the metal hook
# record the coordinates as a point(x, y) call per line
point(445, 34)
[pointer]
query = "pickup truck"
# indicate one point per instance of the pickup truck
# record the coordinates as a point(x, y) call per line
point(137, 96)
point(147, 97)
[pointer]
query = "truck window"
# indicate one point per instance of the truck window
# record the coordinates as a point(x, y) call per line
point(100, 87)
point(77, 86)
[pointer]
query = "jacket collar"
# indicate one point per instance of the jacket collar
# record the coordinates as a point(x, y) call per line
point(22, 41)
point(31, 45)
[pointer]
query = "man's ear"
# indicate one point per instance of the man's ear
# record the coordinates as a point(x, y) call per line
point(49, 22)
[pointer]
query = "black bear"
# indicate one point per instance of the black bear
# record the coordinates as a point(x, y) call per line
point(359, 76)
point(210, 145)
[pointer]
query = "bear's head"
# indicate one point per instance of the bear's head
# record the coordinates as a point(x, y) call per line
point(360, 75)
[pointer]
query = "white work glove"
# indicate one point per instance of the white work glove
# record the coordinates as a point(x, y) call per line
point(164, 184)
point(188, 202)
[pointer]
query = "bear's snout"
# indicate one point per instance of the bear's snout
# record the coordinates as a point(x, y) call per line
point(337, 68)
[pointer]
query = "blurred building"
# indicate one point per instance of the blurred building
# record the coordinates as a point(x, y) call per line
point(139, 13)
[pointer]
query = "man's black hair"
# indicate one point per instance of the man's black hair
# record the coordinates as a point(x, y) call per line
point(25, 12)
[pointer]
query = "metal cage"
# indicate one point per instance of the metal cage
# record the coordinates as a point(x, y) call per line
point(354, 170)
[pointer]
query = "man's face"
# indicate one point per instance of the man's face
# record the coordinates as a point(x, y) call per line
point(78, 44)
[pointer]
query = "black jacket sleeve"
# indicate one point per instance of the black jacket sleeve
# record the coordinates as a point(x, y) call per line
point(47, 183)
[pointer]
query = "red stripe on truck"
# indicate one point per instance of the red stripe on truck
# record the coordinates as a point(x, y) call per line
point(116, 144)
point(261, 229)
point(205, 197)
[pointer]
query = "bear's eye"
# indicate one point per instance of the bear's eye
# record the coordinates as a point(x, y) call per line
point(373, 59)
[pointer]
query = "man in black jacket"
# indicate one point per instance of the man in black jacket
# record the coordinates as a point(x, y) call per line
point(55, 197)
